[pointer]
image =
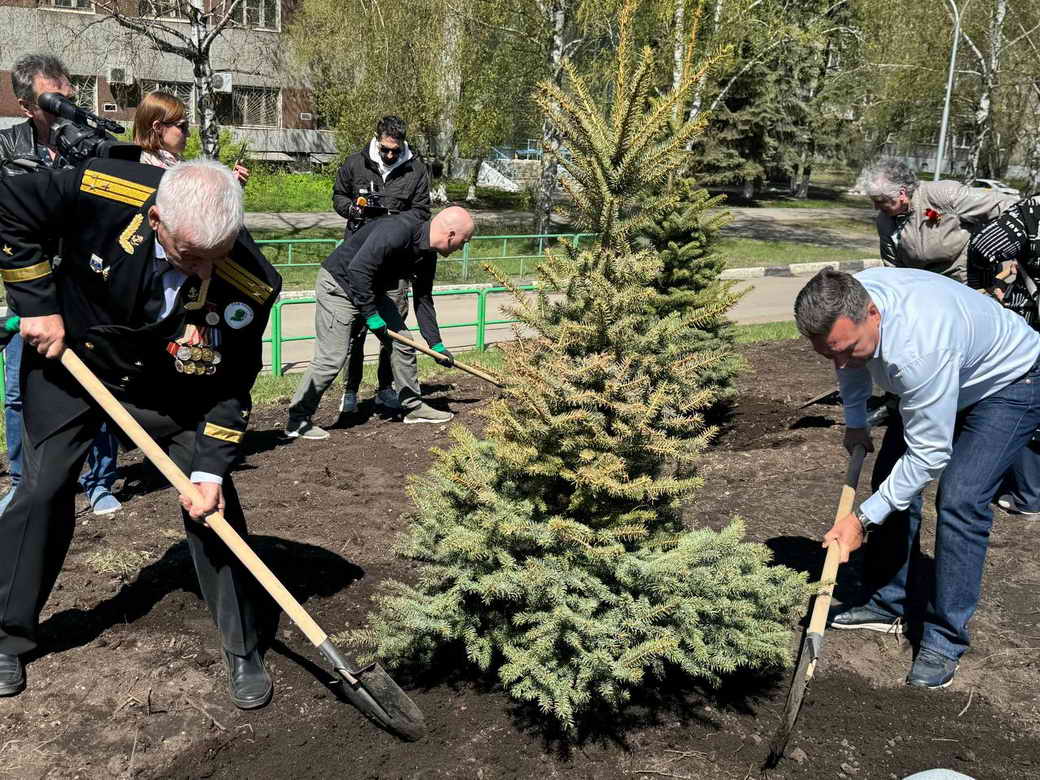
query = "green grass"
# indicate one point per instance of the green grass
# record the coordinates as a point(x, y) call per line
point(766, 331)
point(278, 191)
point(751, 252)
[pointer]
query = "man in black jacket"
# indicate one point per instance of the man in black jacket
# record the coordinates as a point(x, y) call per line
point(389, 167)
point(27, 148)
point(351, 290)
point(165, 297)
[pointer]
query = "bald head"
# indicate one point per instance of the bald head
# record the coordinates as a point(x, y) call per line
point(450, 229)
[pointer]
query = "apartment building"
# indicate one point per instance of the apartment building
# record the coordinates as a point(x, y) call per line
point(259, 99)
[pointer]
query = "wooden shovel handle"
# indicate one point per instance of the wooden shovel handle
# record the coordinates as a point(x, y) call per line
point(435, 354)
point(818, 620)
point(186, 487)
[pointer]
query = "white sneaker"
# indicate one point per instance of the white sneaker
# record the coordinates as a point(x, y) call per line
point(304, 429)
point(348, 403)
point(1007, 503)
point(388, 397)
point(426, 414)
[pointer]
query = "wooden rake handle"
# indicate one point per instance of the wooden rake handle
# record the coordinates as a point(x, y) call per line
point(436, 355)
point(818, 620)
point(186, 487)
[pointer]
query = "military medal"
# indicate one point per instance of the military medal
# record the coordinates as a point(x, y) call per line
point(183, 352)
point(207, 355)
point(179, 365)
point(196, 353)
point(215, 360)
point(190, 368)
point(212, 318)
point(210, 370)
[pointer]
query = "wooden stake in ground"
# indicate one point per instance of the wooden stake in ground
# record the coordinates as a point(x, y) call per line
point(370, 689)
point(437, 356)
point(812, 643)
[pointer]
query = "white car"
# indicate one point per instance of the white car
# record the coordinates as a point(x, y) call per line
point(999, 186)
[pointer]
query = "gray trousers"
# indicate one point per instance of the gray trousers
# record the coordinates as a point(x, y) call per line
point(335, 330)
point(356, 360)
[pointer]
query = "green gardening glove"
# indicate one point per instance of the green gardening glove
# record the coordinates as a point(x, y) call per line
point(377, 325)
point(11, 326)
point(446, 358)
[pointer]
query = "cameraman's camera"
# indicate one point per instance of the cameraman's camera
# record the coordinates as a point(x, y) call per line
point(367, 205)
point(80, 135)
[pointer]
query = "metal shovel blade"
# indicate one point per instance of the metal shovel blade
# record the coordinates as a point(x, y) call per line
point(376, 695)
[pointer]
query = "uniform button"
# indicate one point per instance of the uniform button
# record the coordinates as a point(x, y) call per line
point(138, 363)
point(125, 379)
point(89, 345)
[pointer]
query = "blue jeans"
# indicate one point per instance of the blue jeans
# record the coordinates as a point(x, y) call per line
point(101, 472)
point(13, 414)
point(101, 464)
point(989, 438)
point(1023, 481)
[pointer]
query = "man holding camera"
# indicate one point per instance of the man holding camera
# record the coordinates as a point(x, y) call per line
point(27, 148)
point(353, 291)
point(388, 168)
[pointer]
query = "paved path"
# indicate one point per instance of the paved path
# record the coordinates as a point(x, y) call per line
point(770, 299)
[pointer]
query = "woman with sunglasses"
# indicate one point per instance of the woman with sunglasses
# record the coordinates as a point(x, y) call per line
point(161, 130)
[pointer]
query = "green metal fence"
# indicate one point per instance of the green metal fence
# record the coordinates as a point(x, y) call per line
point(278, 337)
point(513, 255)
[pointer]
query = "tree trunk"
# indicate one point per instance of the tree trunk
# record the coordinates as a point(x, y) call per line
point(471, 193)
point(983, 114)
point(748, 192)
point(205, 99)
point(557, 17)
point(698, 93)
point(449, 90)
point(678, 49)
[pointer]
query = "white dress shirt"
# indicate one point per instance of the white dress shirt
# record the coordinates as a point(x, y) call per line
point(943, 347)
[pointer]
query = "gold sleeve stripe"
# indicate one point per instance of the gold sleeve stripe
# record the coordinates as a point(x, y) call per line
point(124, 237)
point(114, 188)
point(37, 271)
point(237, 276)
point(224, 434)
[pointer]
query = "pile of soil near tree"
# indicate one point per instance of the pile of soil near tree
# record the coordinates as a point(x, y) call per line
point(129, 679)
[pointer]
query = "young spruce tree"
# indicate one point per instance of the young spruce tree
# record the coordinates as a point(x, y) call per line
point(553, 549)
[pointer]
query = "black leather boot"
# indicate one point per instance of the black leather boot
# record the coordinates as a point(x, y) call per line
point(249, 683)
point(12, 675)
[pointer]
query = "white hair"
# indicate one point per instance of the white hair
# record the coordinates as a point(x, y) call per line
point(886, 178)
point(200, 202)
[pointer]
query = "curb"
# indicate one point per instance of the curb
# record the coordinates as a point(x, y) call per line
point(799, 269)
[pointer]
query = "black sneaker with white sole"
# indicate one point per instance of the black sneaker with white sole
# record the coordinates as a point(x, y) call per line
point(867, 619)
point(931, 670)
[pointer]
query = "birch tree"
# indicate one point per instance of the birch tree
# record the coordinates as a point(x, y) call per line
point(182, 28)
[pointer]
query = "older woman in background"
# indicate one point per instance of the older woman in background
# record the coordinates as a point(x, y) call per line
point(161, 130)
point(927, 224)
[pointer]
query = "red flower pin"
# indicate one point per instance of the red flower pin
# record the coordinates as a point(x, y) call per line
point(932, 215)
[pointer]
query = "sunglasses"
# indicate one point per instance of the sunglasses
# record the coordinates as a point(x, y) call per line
point(389, 149)
point(183, 125)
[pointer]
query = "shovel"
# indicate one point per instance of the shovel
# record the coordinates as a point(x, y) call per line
point(370, 689)
point(812, 643)
point(437, 355)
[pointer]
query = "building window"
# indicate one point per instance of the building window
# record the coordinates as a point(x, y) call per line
point(86, 92)
point(257, 14)
point(182, 90)
point(250, 106)
point(72, 5)
point(161, 9)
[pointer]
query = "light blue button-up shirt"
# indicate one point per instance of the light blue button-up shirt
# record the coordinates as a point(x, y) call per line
point(943, 347)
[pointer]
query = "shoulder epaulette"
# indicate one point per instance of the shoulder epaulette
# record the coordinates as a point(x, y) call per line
point(238, 277)
point(105, 185)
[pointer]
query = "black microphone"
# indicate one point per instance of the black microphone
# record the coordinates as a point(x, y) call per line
point(59, 105)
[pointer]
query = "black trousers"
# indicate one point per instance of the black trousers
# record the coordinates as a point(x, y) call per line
point(37, 526)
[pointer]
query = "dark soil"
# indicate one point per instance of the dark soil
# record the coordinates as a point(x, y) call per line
point(129, 680)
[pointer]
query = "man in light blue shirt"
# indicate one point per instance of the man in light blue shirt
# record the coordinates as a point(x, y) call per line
point(965, 370)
